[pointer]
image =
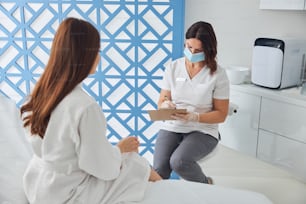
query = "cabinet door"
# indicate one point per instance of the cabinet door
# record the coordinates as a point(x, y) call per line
point(283, 119)
point(240, 130)
point(283, 152)
point(282, 4)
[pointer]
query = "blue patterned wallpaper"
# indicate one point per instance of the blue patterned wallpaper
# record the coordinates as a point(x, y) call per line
point(138, 37)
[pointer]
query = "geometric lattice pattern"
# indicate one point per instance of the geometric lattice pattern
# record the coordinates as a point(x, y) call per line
point(138, 37)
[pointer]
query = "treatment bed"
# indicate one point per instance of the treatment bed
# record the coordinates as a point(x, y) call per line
point(15, 152)
point(233, 169)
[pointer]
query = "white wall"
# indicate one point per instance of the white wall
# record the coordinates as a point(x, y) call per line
point(238, 23)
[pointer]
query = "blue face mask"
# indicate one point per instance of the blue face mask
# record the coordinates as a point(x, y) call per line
point(197, 57)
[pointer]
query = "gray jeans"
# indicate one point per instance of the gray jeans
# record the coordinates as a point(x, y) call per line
point(180, 152)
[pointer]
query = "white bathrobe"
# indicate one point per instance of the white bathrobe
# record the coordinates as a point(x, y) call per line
point(75, 163)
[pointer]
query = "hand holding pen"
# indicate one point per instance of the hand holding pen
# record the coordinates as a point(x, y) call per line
point(167, 104)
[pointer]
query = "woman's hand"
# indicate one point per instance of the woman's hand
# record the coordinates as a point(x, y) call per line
point(167, 104)
point(129, 144)
point(190, 116)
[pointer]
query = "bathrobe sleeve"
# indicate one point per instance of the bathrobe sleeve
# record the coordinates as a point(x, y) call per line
point(96, 155)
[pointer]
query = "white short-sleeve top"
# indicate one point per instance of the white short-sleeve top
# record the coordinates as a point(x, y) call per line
point(194, 94)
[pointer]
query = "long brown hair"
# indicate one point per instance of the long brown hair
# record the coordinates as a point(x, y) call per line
point(74, 50)
point(204, 32)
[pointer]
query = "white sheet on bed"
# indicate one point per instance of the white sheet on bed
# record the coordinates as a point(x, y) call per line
point(15, 152)
point(184, 192)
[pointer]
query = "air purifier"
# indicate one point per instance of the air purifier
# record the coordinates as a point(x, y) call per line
point(278, 63)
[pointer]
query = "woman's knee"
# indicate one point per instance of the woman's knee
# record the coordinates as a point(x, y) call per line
point(180, 164)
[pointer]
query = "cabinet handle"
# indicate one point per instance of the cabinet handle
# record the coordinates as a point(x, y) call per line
point(303, 69)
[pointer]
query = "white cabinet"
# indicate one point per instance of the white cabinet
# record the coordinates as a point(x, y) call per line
point(283, 152)
point(270, 125)
point(284, 119)
point(240, 129)
point(283, 4)
point(282, 135)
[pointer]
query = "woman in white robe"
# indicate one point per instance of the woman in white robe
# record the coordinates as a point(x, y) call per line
point(73, 161)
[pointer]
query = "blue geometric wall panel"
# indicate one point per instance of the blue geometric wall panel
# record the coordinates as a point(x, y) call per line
point(138, 37)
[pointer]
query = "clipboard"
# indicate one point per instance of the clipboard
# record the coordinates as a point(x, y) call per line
point(164, 114)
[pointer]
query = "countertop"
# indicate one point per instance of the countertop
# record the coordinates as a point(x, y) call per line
point(288, 95)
